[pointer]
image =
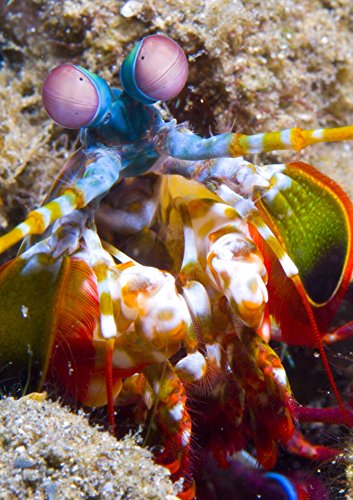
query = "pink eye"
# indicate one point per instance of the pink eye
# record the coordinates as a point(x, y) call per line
point(161, 68)
point(70, 97)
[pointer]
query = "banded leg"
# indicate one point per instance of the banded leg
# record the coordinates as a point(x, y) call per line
point(319, 242)
point(172, 417)
point(101, 172)
point(267, 393)
point(201, 371)
point(103, 266)
point(179, 142)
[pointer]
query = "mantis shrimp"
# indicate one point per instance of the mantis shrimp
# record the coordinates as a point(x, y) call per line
point(200, 252)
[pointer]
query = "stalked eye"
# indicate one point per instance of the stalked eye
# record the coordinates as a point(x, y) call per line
point(155, 70)
point(74, 97)
point(161, 68)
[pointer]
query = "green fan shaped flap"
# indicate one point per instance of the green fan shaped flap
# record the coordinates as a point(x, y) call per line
point(28, 290)
point(312, 217)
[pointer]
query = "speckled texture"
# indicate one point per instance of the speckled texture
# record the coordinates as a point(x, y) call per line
point(51, 453)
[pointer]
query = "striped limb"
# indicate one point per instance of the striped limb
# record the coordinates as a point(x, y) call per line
point(103, 266)
point(267, 394)
point(104, 385)
point(101, 173)
point(172, 417)
point(230, 259)
point(249, 211)
point(214, 240)
point(179, 142)
point(143, 319)
point(201, 370)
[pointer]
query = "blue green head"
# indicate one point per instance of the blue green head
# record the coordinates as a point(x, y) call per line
point(155, 70)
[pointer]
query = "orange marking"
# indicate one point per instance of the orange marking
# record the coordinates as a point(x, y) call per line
point(78, 197)
point(223, 231)
point(173, 466)
point(299, 139)
point(238, 145)
point(124, 265)
point(36, 222)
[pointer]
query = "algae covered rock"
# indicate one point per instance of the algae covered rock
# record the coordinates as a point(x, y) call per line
point(46, 451)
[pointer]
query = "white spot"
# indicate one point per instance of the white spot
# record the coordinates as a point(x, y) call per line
point(256, 143)
point(108, 326)
point(266, 332)
point(45, 213)
point(288, 266)
point(24, 227)
point(103, 286)
point(185, 438)
point(177, 412)
point(214, 353)
point(131, 8)
point(247, 459)
point(65, 204)
point(319, 133)
point(193, 365)
point(286, 137)
point(156, 387)
point(330, 338)
point(280, 376)
point(24, 311)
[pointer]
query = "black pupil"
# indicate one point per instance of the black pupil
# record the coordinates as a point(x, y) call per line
point(81, 79)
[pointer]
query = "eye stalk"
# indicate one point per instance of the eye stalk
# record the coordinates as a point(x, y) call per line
point(74, 97)
point(155, 70)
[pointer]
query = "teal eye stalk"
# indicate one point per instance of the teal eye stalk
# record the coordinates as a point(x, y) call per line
point(155, 70)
